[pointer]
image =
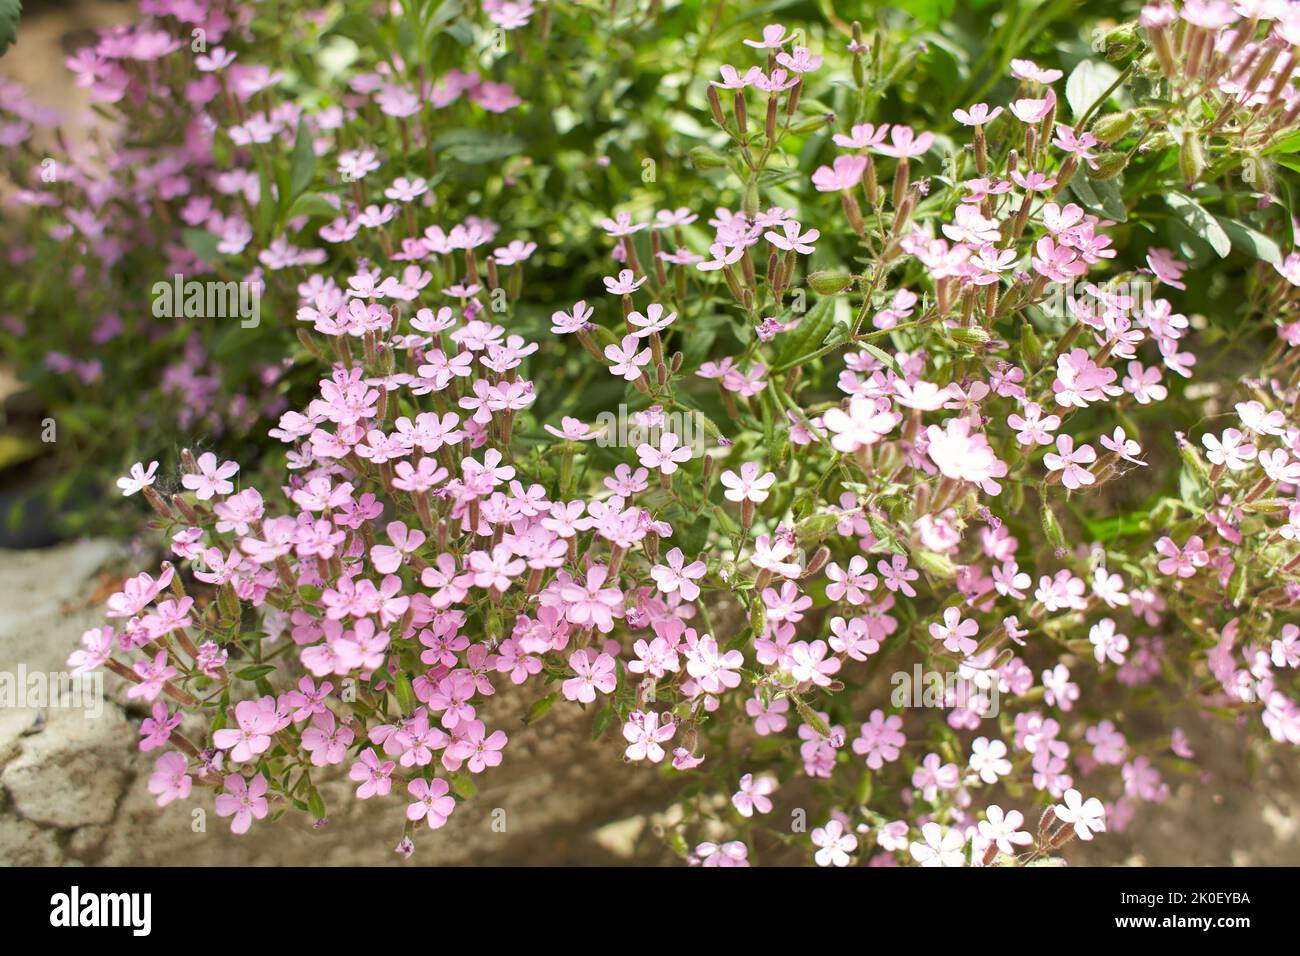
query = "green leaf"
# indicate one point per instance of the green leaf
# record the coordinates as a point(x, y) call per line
point(254, 672)
point(476, 145)
point(806, 337)
point(1251, 241)
point(540, 708)
point(1290, 144)
point(1195, 217)
point(1089, 80)
point(882, 356)
point(200, 242)
point(9, 12)
point(694, 538)
point(463, 786)
point(1102, 197)
point(599, 725)
point(404, 691)
point(302, 161)
point(362, 30)
point(931, 13)
point(312, 204)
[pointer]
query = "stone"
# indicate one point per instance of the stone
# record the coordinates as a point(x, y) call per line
point(73, 772)
point(25, 844)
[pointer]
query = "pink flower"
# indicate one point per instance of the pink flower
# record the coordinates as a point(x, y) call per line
point(256, 723)
point(645, 733)
point(836, 845)
point(1080, 381)
point(1070, 461)
point(774, 37)
point(854, 584)
point(753, 795)
point(866, 422)
point(730, 854)
point(1166, 268)
point(475, 746)
point(667, 456)
point(896, 574)
point(749, 485)
point(958, 453)
point(170, 779)
point(593, 603)
point(326, 740)
point(862, 136)
point(845, 173)
point(1032, 111)
point(1033, 428)
point(1107, 643)
point(679, 576)
point(211, 477)
point(1232, 450)
point(246, 802)
point(905, 143)
point(989, 759)
point(770, 719)
point(627, 360)
point(153, 674)
point(714, 670)
point(880, 739)
point(977, 115)
point(1184, 561)
point(957, 633)
point(373, 775)
point(933, 775)
point(431, 802)
point(809, 663)
point(792, 238)
point(595, 672)
point(157, 729)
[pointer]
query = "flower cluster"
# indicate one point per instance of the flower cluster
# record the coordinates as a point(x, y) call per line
point(957, 417)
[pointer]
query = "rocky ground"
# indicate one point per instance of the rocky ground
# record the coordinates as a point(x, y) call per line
point(72, 787)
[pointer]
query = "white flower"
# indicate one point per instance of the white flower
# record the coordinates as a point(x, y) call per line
point(836, 845)
point(1004, 829)
point(989, 759)
point(139, 479)
point(942, 846)
point(1088, 816)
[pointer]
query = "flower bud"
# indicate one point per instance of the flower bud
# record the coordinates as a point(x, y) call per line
point(818, 561)
point(701, 157)
point(757, 617)
point(939, 565)
point(715, 106)
point(829, 282)
point(1052, 528)
point(1109, 165)
point(971, 336)
point(1121, 41)
point(1113, 127)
